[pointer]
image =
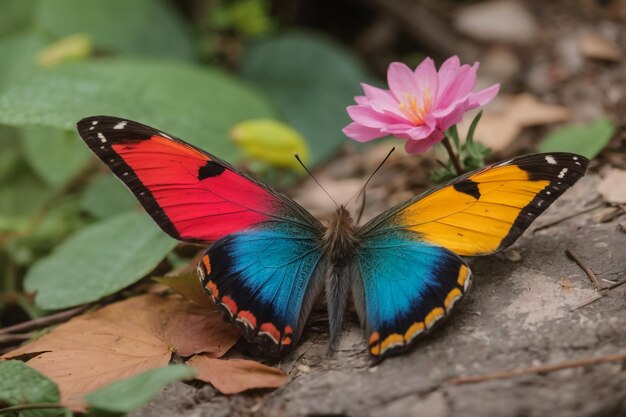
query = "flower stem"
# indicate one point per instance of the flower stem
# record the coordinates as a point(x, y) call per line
point(453, 157)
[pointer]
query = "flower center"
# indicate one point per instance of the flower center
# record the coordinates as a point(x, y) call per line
point(413, 110)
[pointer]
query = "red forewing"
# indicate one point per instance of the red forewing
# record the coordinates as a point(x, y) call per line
point(192, 195)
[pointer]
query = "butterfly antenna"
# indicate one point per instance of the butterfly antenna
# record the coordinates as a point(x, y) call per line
point(314, 179)
point(362, 192)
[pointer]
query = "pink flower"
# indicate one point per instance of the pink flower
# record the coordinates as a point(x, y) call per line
point(419, 106)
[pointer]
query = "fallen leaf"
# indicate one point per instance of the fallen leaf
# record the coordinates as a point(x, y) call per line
point(125, 339)
point(233, 376)
point(612, 188)
point(606, 214)
point(497, 21)
point(527, 111)
point(498, 130)
point(595, 46)
point(189, 286)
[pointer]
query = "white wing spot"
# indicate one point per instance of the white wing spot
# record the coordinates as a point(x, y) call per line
point(102, 138)
point(575, 158)
point(92, 128)
point(539, 203)
point(577, 163)
point(562, 173)
point(95, 122)
point(550, 159)
point(548, 193)
point(102, 147)
point(120, 125)
point(126, 173)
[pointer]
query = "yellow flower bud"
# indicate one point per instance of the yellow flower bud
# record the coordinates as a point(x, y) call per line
point(271, 141)
point(70, 47)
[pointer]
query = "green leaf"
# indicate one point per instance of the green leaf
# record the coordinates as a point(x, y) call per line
point(198, 105)
point(106, 196)
point(9, 151)
point(55, 155)
point(20, 199)
point(129, 394)
point(16, 15)
point(97, 261)
point(586, 140)
point(138, 27)
point(472, 128)
point(310, 80)
point(21, 384)
point(22, 50)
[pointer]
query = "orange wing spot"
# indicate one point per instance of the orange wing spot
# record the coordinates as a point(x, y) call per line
point(462, 278)
point(392, 340)
point(413, 331)
point(288, 330)
point(374, 338)
point(453, 295)
point(286, 340)
point(207, 264)
point(270, 330)
point(230, 304)
point(432, 317)
point(210, 285)
point(247, 318)
point(375, 350)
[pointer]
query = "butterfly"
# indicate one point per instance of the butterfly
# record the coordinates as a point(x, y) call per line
point(269, 259)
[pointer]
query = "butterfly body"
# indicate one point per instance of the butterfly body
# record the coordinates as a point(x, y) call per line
point(269, 259)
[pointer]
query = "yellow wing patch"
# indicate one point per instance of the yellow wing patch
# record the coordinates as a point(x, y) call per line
point(474, 221)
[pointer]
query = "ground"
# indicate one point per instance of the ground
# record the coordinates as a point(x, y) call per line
point(523, 310)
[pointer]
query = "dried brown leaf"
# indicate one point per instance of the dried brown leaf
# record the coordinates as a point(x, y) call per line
point(233, 376)
point(595, 46)
point(125, 339)
point(612, 188)
point(498, 130)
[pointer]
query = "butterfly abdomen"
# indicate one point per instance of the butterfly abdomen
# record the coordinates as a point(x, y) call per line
point(340, 244)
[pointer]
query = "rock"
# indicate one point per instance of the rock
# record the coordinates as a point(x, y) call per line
point(497, 21)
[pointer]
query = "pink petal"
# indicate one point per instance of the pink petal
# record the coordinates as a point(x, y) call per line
point(361, 100)
point(426, 76)
point(402, 81)
point(482, 97)
point(418, 146)
point(453, 118)
point(381, 100)
point(460, 86)
point(361, 133)
point(399, 129)
point(369, 117)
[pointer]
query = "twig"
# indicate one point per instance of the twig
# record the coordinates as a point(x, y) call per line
point(424, 26)
point(587, 302)
point(44, 321)
point(592, 275)
point(12, 338)
point(571, 216)
point(575, 363)
point(616, 284)
point(40, 406)
point(453, 157)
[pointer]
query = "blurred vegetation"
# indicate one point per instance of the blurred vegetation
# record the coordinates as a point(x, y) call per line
point(69, 231)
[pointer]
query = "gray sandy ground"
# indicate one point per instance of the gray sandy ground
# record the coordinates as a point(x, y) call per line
point(520, 312)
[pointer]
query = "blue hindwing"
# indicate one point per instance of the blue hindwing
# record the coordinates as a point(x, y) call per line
point(265, 279)
point(406, 285)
